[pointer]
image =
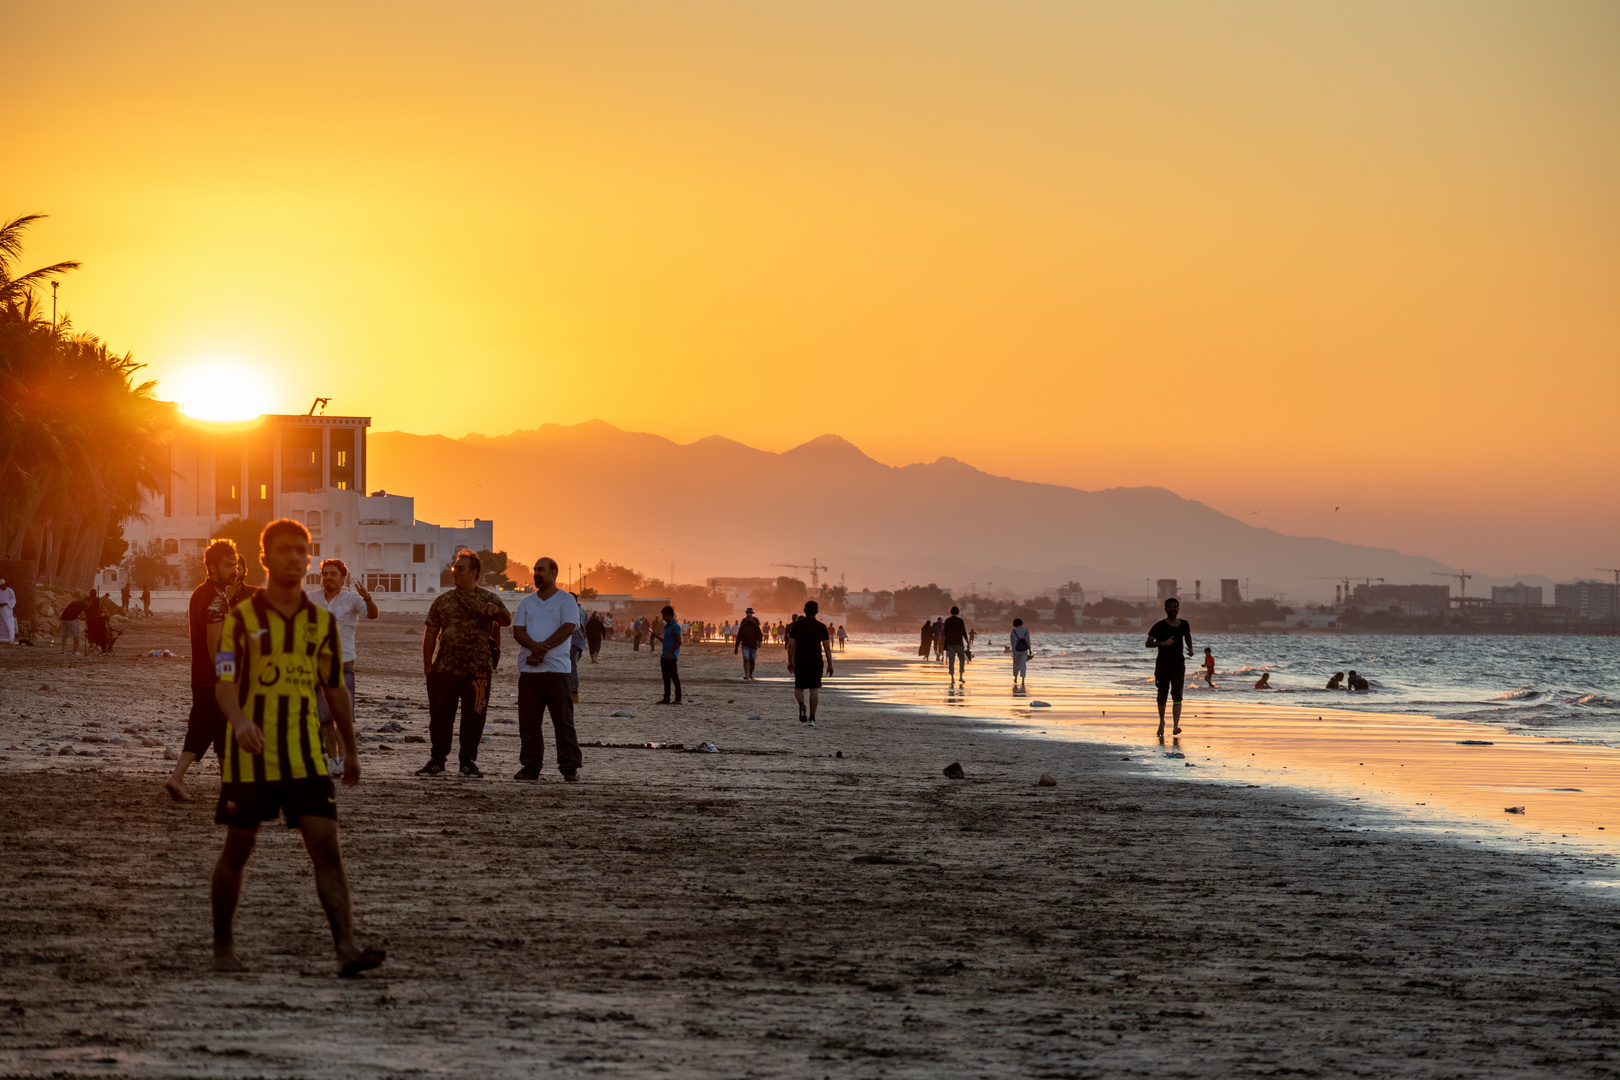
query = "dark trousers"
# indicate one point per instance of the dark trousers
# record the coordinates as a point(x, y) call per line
point(672, 674)
point(537, 692)
point(445, 691)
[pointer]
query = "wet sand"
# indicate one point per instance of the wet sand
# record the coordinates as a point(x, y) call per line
point(769, 910)
point(1440, 773)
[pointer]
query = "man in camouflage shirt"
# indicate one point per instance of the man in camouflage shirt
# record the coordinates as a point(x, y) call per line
point(456, 661)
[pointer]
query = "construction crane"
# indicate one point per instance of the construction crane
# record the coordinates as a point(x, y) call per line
point(1345, 580)
point(1462, 580)
point(1609, 570)
point(815, 569)
point(320, 403)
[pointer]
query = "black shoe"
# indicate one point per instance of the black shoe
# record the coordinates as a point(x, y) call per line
point(469, 769)
point(572, 778)
point(531, 775)
point(434, 767)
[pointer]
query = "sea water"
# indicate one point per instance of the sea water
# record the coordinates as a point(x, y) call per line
point(1562, 687)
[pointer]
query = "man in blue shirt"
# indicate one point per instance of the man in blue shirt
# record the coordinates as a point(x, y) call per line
point(671, 655)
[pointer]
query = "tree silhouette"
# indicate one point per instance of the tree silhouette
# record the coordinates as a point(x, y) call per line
point(80, 444)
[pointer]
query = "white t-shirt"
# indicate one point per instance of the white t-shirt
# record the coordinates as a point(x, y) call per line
point(542, 618)
point(346, 608)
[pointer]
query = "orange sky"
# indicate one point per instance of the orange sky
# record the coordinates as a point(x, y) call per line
point(1277, 257)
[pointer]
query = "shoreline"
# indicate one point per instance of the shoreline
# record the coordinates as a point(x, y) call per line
point(771, 910)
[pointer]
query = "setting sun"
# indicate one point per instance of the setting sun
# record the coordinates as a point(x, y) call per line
point(220, 390)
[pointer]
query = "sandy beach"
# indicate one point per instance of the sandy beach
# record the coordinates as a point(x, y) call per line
point(772, 909)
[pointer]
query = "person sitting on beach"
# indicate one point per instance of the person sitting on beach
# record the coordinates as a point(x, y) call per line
point(1264, 681)
point(1337, 681)
point(1357, 682)
point(1209, 668)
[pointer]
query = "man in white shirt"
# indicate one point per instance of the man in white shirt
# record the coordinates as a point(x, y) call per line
point(544, 626)
point(346, 606)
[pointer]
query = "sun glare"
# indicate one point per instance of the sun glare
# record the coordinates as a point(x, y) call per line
point(221, 390)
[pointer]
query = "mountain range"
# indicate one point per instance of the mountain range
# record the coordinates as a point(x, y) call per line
point(715, 507)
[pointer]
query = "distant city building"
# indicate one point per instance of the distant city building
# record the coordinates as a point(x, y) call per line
point(1408, 599)
point(1230, 593)
point(1517, 595)
point(739, 590)
point(1073, 593)
point(1589, 599)
point(309, 468)
point(1167, 588)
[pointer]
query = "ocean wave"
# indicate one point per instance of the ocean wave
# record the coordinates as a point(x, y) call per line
point(1590, 700)
point(1517, 695)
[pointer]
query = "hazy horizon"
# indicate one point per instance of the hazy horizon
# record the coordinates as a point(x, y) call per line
point(1343, 270)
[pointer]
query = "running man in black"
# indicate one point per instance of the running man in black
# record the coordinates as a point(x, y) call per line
point(1169, 635)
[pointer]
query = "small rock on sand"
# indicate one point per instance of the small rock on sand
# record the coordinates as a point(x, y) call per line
point(1513, 810)
point(1046, 780)
point(753, 719)
point(954, 771)
point(621, 712)
point(65, 751)
point(393, 727)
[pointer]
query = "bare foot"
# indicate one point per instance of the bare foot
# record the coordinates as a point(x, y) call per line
point(227, 961)
point(1176, 732)
point(176, 792)
point(360, 960)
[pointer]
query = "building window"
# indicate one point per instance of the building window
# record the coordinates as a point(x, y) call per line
point(312, 455)
point(171, 547)
point(234, 495)
point(337, 519)
point(418, 553)
point(343, 485)
point(315, 550)
point(385, 582)
point(312, 579)
point(314, 520)
point(342, 460)
point(264, 491)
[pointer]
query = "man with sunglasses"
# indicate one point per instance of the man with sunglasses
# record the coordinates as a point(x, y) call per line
point(457, 664)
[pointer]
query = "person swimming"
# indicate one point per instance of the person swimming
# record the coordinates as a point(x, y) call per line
point(1264, 682)
point(1336, 682)
point(1357, 682)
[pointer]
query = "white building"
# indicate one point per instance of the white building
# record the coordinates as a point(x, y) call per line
point(310, 468)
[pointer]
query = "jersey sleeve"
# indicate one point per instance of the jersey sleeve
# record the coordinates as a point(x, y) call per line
point(329, 657)
point(232, 655)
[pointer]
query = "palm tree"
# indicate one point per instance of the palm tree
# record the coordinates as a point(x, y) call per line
point(15, 288)
point(80, 445)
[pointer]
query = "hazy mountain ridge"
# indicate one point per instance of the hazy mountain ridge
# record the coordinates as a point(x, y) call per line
point(717, 506)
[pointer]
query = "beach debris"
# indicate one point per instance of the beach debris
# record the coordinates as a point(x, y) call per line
point(704, 748)
point(839, 754)
point(621, 713)
point(1512, 809)
point(1174, 754)
point(954, 771)
point(161, 653)
point(1474, 742)
point(1040, 705)
point(1046, 780)
point(393, 727)
point(752, 718)
point(1188, 765)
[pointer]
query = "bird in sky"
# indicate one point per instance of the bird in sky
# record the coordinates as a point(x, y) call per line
point(1335, 509)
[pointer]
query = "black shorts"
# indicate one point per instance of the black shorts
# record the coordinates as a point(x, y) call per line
point(807, 676)
point(246, 805)
point(206, 724)
point(1170, 683)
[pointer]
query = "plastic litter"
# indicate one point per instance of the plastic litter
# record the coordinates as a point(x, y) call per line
point(1513, 810)
point(1040, 705)
point(160, 653)
point(1474, 742)
point(704, 748)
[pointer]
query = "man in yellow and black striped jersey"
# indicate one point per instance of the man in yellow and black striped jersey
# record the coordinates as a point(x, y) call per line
point(277, 652)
